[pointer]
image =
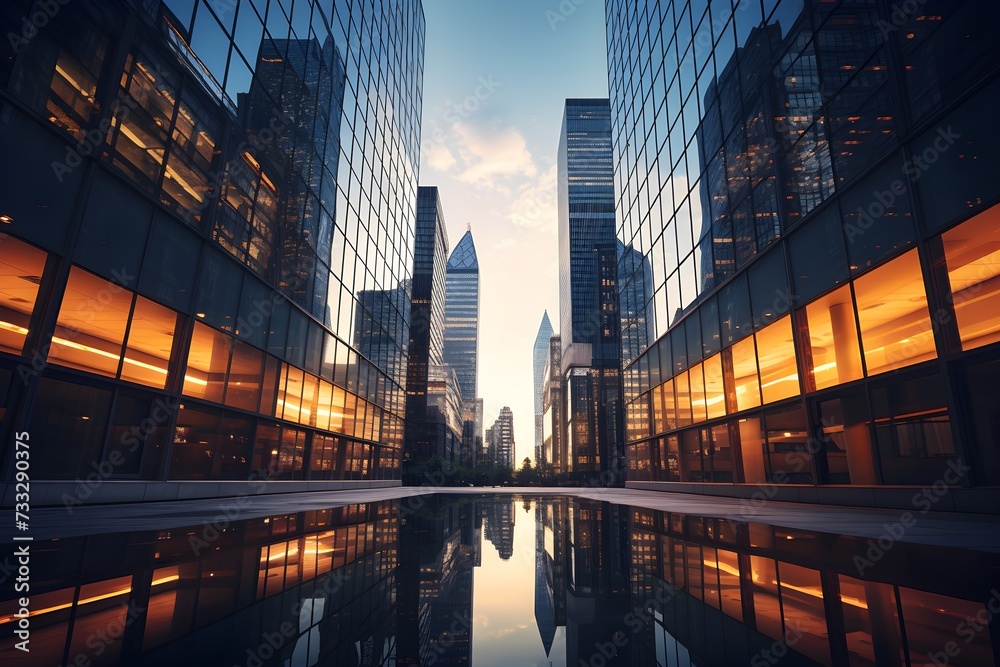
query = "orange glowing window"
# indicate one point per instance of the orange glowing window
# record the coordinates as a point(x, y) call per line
point(150, 340)
point(745, 374)
point(208, 361)
point(972, 251)
point(779, 377)
point(21, 268)
point(892, 310)
point(91, 325)
point(833, 339)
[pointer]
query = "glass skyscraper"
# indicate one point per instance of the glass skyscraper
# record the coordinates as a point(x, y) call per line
point(809, 184)
point(461, 334)
point(430, 433)
point(539, 357)
point(206, 250)
point(590, 323)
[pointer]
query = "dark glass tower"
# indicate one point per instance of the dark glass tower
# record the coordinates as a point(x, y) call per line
point(186, 292)
point(428, 435)
point(809, 184)
point(590, 322)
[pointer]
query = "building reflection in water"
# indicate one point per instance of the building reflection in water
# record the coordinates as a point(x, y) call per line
point(393, 584)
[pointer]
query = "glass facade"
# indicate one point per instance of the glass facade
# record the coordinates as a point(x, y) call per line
point(461, 334)
point(590, 318)
point(205, 266)
point(433, 398)
point(539, 358)
point(804, 179)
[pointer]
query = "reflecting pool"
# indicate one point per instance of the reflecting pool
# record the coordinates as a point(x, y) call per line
point(501, 581)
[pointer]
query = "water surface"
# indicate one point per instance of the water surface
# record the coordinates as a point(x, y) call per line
point(500, 581)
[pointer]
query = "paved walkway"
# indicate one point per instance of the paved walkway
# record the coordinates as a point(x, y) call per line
point(971, 531)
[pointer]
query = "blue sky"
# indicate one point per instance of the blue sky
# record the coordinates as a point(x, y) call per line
point(496, 74)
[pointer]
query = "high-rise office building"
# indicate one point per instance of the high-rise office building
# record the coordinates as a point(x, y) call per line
point(539, 357)
point(461, 337)
point(505, 438)
point(185, 291)
point(808, 182)
point(590, 323)
point(553, 407)
point(461, 334)
point(430, 421)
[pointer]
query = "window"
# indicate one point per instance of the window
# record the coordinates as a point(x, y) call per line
point(779, 377)
point(91, 325)
point(68, 425)
point(196, 440)
point(912, 430)
point(21, 267)
point(208, 361)
point(819, 260)
point(892, 310)
point(745, 380)
point(876, 217)
point(833, 340)
point(697, 387)
point(150, 341)
point(929, 623)
point(788, 458)
point(243, 383)
point(972, 252)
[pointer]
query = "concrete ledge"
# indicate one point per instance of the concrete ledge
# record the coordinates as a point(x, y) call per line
point(58, 494)
point(982, 500)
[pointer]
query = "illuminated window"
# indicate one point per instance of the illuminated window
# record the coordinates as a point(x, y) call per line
point(779, 377)
point(669, 406)
point(715, 392)
point(697, 379)
point(682, 384)
point(208, 361)
point(150, 340)
point(972, 251)
point(833, 339)
point(90, 329)
point(243, 384)
point(745, 374)
point(892, 309)
point(21, 268)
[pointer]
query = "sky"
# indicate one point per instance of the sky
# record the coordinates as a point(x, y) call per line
point(496, 75)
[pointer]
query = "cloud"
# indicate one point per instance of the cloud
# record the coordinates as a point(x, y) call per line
point(492, 153)
point(439, 158)
point(536, 205)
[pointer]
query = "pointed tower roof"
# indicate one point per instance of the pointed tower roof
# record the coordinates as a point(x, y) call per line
point(544, 330)
point(463, 257)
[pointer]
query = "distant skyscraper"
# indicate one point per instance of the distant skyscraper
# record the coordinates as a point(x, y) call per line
point(553, 407)
point(505, 438)
point(540, 355)
point(429, 434)
point(461, 334)
point(590, 324)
